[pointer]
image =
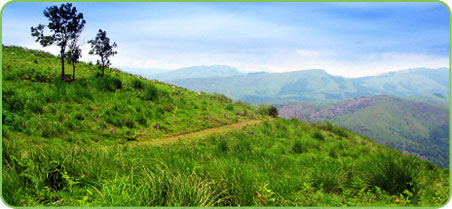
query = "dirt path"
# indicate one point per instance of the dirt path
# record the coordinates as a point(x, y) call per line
point(196, 134)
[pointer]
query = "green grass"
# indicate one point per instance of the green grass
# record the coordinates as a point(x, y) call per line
point(67, 144)
point(409, 126)
point(110, 108)
point(254, 166)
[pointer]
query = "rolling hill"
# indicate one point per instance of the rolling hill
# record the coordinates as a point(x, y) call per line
point(306, 85)
point(319, 86)
point(122, 140)
point(411, 82)
point(196, 72)
point(410, 126)
point(436, 99)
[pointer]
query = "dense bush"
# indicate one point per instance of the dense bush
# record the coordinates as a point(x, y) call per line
point(268, 110)
point(392, 173)
point(108, 83)
point(138, 84)
point(150, 93)
point(318, 135)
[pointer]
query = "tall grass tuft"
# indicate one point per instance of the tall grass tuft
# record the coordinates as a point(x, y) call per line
point(392, 172)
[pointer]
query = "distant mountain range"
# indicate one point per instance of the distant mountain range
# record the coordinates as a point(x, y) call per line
point(196, 72)
point(318, 86)
point(418, 123)
point(410, 126)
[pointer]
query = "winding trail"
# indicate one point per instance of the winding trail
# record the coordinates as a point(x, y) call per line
point(196, 134)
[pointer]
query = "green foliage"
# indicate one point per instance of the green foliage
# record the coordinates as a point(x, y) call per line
point(66, 24)
point(393, 173)
point(137, 84)
point(151, 93)
point(318, 135)
point(243, 167)
point(108, 84)
point(298, 147)
point(409, 126)
point(269, 110)
point(101, 46)
point(90, 143)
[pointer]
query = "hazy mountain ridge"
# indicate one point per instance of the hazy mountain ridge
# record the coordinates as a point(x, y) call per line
point(201, 71)
point(319, 86)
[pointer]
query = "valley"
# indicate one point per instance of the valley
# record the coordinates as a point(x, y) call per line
point(410, 126)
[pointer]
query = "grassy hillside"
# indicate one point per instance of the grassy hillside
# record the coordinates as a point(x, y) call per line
point(277, 163)
point(410, 126)
point(89, 143)
point(36, 103)
point(319, 86)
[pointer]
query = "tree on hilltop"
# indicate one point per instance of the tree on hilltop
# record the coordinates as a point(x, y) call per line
point(74, 54)
point(65, 24)
point(101, 46)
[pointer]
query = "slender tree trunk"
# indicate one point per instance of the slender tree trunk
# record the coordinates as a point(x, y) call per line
point(103, 66)
point(62, 64)
point(73, 70)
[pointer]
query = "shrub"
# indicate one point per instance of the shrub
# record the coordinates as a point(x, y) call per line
point(330, 176)
point(117, 83)
point(150, 93)
point(325, 125)
point(34, 106)
point(137, 84)
point(14, 101)
point(221, 98)
point(273, 111)
point(141, 119)
point(394, 174)
point(223, 145)
point(16, 122)
point(298, 147)
point(108, 83)
point(128, 122)
point(341, 132)
point(230, 107)
point(318, 135)
point(268, 110)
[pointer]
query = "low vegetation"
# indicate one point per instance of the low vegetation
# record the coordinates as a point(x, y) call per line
point(276, 163)
point(36, 103)
point(70, 144)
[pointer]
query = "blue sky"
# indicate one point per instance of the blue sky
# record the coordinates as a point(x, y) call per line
point(348, 39)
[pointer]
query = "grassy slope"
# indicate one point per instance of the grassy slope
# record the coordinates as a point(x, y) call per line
point(416, 134)
point(91, 108)
point(281, 162)
point(406, 125)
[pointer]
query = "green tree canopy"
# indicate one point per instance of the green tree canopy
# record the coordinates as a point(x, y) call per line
point(65, 24)
point(74, 54)
point(101, 46)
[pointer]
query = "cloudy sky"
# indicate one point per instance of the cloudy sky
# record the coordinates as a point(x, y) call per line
point(348, 39)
